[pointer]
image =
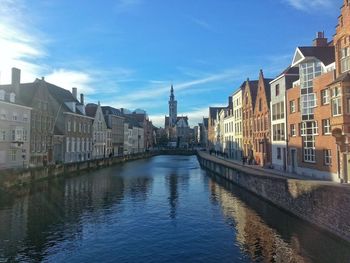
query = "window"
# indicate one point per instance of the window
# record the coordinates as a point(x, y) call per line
point(12, 154)
point(308, 104)
point(260, 104)
point(299, 105)
point(277, 89)
point(68, 126)
point(14, 116)
point(2, 135)
point(3, 115)
point(292, 130)
point(309, 128)
point(278, 132)
point(345, 59)
point(292, 106)
point(325, 96)
point(279, 154)
point(326, 127)
point(278, 111)
point(74, 126)
point(336, 106)
point(67, 145)
point(327, 157)
point(2, 94)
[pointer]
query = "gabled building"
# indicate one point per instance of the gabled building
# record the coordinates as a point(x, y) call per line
point(100, 147)
point(262, 132)
point(115, 122)
point(133, 136)
point(72, 128)
point(212, 126)
point(278, 107)
point(248, 105)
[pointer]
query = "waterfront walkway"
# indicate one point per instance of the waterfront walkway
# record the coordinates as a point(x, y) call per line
point(252, 168)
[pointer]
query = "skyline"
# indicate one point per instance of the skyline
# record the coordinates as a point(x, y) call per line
point(127, 54)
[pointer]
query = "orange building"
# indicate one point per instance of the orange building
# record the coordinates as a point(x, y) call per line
point(339, 93)
point(262, 127)
point(249, 95)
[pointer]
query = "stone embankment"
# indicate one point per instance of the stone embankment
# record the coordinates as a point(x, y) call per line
point(20, 177)
point(323, 204)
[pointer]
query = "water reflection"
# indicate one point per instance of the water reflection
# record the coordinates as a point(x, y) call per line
point(165, 209)
point(268, 234)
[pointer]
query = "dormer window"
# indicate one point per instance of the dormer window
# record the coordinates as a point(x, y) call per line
point(2, 94)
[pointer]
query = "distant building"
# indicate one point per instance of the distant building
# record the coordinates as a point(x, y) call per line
point(177, 128)
point(238, 126)
point(115, 122)
point(133, 136)
point(100, 147)
point(212, 129)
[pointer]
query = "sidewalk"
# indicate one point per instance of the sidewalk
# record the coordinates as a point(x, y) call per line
point(266, 170)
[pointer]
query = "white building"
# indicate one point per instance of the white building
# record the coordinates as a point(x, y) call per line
point(238, 128)
point(229, 132)
point(14, 131)
point(279, 138)
point(100, 149)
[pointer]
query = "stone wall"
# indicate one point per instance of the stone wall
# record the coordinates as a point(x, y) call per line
point(13, 177)
point(324, 204)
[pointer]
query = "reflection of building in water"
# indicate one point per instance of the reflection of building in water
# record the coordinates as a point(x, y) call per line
point(254, 236)
point(172, 181)
point(13, 224)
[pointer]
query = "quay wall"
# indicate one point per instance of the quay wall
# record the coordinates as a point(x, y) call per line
point(323, 204)
point(20, 177)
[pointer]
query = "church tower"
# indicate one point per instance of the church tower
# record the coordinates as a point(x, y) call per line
point(172, 108)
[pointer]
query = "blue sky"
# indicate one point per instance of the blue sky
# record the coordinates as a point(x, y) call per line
point(127, 53)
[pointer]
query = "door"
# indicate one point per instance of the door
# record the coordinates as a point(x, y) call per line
point(284, 159)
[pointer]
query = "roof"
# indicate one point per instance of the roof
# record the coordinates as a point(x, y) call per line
point(90, 109)
point(131, 121)
point(106, 110)
point(324, 54)
point(205, 122)
point(253, 86)
point(213, 111)
point(267, 90)
point(177, 119)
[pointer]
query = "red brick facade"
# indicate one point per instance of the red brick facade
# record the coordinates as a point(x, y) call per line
point(262, 125)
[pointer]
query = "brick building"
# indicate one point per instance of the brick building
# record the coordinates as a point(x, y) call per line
point(339, 94)
point(311, 147)
point(261, 130)
point(248, 105)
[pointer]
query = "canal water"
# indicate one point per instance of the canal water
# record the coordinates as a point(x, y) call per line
point(164, 209)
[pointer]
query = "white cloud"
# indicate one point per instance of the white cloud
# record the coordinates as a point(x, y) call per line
point(68, 79)
point(307, 5)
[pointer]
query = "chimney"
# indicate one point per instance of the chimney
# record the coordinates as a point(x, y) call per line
point(75, 92)
point(82, 98)
point(16, 80)
point(43, 78)
point(320, 40)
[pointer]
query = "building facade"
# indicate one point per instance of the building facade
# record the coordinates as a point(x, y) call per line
point(237, 125)
point(14, 131)
point(262, 133)
point(278, 106)
point(100, 149)
point(115, 122)
point(248, 105)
